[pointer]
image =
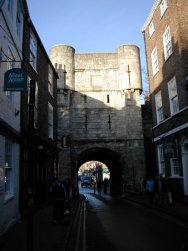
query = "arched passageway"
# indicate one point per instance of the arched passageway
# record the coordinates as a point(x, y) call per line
point(110, 159)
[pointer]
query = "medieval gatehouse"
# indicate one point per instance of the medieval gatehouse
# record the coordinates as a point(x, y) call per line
point(99, 113)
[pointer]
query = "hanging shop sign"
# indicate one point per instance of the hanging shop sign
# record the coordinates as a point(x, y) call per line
point(15, 80)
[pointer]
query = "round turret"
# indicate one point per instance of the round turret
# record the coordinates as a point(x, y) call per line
point(62, 57)
point(129, 67)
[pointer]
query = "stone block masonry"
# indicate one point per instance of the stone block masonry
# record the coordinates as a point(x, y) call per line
point(101, 97)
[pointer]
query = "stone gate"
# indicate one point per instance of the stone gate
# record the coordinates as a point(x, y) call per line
point(99, 113)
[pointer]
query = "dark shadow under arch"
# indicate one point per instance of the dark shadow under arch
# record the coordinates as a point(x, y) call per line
point(108, 157)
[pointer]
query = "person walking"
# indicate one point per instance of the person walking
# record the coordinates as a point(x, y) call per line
point(99, 186)
point(150, 189)
point(58, 196)
point(105, 185)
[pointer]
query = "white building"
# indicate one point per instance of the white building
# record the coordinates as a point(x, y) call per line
point(11, 38)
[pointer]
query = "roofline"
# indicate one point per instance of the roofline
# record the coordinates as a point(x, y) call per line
point(150, 16)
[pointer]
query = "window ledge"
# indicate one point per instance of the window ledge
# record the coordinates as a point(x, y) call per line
point(8, 197)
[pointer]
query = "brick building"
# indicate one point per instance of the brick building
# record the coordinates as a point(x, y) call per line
point(166, 42)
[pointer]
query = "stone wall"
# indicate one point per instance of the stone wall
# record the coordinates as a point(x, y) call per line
point(101, 108)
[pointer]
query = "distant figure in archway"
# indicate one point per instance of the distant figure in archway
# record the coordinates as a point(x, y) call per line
point(105, 185)
point(99, 186)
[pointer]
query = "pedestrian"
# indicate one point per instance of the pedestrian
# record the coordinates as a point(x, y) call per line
point(67, 186)
point(105, 185)
point(58, 196)
point(160, 189)
point(99, 186)
point(150, 189)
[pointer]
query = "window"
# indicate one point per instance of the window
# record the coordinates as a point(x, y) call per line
point(167, 43)
point(163, 7)
point(174, 164)
point(33, 51)
point(8, 168)
point(154, 61)
point(151, 28)
point(159, 108)
point(36, 107)
point(10, 6)
point(10, 65)
point(10, 59)
point(50, 80)
point(173, 96)
point(50, 121)
point(18, 22)
point(161, 161)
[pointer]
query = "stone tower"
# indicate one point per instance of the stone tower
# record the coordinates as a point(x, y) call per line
point(99, 113)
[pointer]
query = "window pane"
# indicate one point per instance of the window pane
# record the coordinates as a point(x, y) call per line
point(163, 6)
point(154, 61)
point(173, 96)
point(161, 162)
point(159, 108)
point(50, 121)
point(174, 166)
point(33, 51)
point(167, 43)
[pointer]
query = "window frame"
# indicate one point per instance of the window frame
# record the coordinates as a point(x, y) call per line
point(167, 43)
point(163, 7)
point(151, 28)
point(19, 21)
point(36, 106)
point(10, 7)
point(33, 51)
point(9, 65)
point(159, 107)
point(173, 98)
point(173, 167)
point(50, 121)
point(161, 160)
point(154, 61)
point(50, 80)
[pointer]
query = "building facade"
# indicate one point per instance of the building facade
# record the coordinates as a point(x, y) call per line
point(99, 113)
point(21, 47)
point(11, 36)
point(166, 43)
point(44, 149)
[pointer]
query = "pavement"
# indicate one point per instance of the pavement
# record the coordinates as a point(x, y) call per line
point(46, 235)
point(178, 209)
point(66, 236)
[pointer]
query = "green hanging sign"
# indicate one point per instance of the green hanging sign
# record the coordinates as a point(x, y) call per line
point(15, 80)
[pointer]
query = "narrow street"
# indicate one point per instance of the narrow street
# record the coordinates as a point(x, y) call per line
point(118, 226)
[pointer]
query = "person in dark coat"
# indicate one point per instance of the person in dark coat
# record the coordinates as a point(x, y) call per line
point(105, 185)
point(99, 186)
point(150, 189)
point(58, 196)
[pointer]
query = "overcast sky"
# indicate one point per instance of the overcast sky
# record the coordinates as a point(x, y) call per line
point(91, 25)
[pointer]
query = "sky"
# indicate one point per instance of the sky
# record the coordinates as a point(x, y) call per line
point(91, 25)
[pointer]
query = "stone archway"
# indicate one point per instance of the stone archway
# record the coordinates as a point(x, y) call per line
point(184, 151)
point(108, 157)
